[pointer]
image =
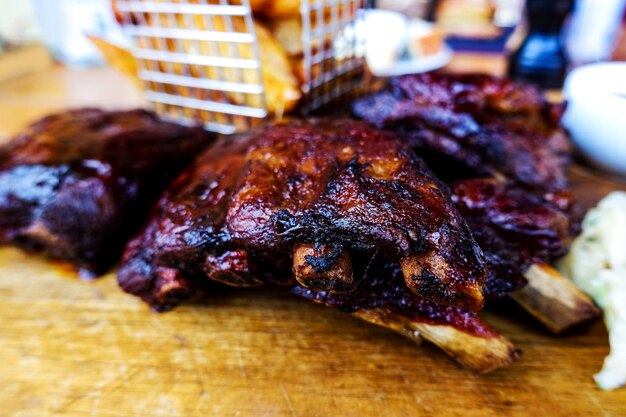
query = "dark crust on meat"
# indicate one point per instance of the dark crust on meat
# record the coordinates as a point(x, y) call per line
point(385, 288)
point(500, 147)
point(514, 227)
point(77, 184)
point(334, 182)
point(485, 124)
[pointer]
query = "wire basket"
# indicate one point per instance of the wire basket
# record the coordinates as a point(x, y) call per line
point(199, 60)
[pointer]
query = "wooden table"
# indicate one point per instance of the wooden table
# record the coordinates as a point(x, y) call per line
point(77, 348)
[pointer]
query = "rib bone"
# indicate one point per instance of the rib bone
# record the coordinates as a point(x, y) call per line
point(231, 268)
point(425, 273)
point(480, 354)
point(323, 268)
point(554, 300)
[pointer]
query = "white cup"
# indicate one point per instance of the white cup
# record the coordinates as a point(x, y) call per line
point(386, 36)
point(64, 23)
point(596, 114)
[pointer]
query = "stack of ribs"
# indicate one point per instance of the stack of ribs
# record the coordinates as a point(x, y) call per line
point(77, 184)
point(341, 212)
point(500, 148)
point(337, 212)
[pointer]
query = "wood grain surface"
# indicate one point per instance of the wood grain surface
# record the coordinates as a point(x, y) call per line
point(83, 348)
point(78, 348)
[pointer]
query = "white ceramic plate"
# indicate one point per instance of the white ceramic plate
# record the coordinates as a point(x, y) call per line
point(417, 65)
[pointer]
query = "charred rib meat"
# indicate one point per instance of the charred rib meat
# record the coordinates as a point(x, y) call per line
point(514, 227)
point(76, 184)
point(341, 214)
point(314, 199)
point(485, 124)
point(499, 146)
point(383, 299)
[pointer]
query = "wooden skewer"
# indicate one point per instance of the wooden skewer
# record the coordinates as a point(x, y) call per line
point(554, 300)
point(480, 354)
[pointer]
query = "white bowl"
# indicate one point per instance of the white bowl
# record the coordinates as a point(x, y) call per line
point(596, 114)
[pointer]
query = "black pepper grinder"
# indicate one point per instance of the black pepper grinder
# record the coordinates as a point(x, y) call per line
point(541, 58)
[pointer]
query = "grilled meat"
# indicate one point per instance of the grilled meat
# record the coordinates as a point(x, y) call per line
point(337, 212)
point(499, 146)
point(484, 125)
point(384, 300)
point(77, 184)
point(383, 286)
point(317, 199)
point(514, 227)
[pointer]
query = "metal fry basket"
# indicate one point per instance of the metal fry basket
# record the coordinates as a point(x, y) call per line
point(199, 60)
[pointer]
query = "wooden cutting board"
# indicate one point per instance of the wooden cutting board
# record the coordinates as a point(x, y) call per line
point(76, 348)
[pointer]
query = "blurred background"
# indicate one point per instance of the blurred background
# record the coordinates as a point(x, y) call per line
point(33, 33)
point(467, 24)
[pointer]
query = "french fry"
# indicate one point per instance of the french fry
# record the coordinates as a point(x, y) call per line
point(288, 32)
point(282, 86)
point(282, 91)
point(276, 8)
point(118, 57)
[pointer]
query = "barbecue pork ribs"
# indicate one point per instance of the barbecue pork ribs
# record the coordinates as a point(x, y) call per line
point(77, 184)
point(514, 227)
point(321, 200)
point(384, 299)
point(339, 213)
point(482, 124)
point(499, 146)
